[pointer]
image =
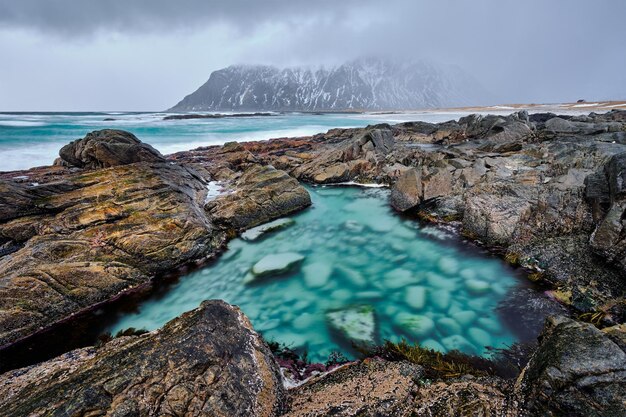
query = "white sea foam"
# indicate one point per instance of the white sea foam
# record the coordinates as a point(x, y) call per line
point(214, 190)
point(29, 156)
point(20, 123)
point(586, 105)
point(220, 139)
point(360, 184)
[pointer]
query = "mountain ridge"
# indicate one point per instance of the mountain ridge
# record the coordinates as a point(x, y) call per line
point(363, 84)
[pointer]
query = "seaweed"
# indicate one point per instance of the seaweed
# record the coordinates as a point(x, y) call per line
point(506, 363)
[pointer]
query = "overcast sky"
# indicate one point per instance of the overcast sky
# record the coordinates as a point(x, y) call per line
point(148, 54)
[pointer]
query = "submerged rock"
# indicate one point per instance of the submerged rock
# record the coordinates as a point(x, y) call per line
point(206, 362)
point(355, 324)
point(415, 296)
point(479, 337)
point(448, 326)
point(259, 231)
point(107, 148)
point(398, 278)
point(317, 274)
point(464, 318)
point(275, 264)
point(460, 343)
point(477, 286)
point(415, 324)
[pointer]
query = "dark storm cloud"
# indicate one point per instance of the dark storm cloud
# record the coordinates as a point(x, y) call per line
point(522, 51)
point(71, 17)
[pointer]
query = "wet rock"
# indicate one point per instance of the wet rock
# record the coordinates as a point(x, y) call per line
point(373, 388)
point(606, 189)
point(379, 388)
point(94, 235)
point(207, 362)
point(617, 334)
point(576, 371)
point(107, 148)
point(492, 218)
point(333, 174)
point(355, 324)
point(381, 139)
point(263, 193)
point(560, 126)
point(406, 193)
point(437, 183)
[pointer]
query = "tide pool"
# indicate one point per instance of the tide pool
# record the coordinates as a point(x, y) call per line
point(346, 270)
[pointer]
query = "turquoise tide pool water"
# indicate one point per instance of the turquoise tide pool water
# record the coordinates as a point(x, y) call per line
point(349, 269)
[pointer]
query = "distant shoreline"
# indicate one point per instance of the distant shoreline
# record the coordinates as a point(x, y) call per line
point(580, 106)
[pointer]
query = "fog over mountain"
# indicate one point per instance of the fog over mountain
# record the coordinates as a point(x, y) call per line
point(147, 54)
point(371, 83)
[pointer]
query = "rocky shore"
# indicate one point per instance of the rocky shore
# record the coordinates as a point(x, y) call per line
point(546, 192)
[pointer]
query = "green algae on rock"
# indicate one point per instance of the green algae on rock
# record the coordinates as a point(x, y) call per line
point(357, 324)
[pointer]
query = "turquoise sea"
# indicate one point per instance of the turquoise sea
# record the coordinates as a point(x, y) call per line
point(34, 139)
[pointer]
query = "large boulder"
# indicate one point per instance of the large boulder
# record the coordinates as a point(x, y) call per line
point(577, 371)
point(206, 362)
point(406, 193)
point(107, 148)
point(263, 193)
point(381, 140)
point(91, 236)
point(606, 191)
point(560, 126)
point(493, 218)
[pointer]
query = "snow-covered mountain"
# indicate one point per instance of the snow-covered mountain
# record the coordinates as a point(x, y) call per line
point(363, 84)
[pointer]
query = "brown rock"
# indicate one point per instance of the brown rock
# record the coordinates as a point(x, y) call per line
point(94, 235)
point(493, 219)
point(406, 193)
point(263, 193)
point(376, 387)
point(208, 361)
